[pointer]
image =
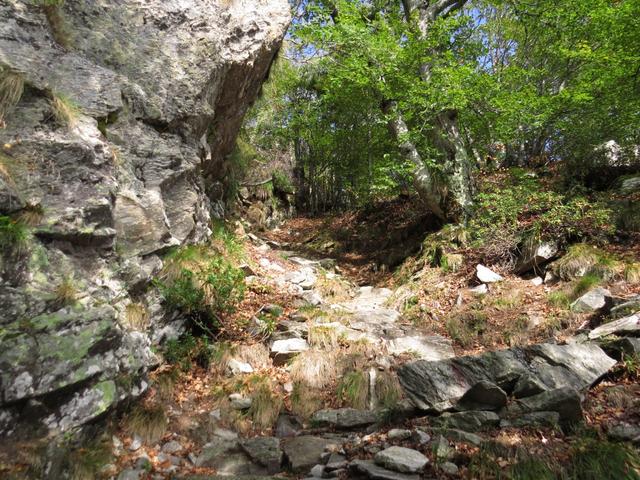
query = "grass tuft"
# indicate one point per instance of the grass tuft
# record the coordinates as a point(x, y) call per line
point(353, 389)
point(66, 292)
point(388, 390)
point(86, 462)
point(464, 328)
point(305, 400)
point(323, 337)
point(147, 421)
point(14, 236)
point(137, 316)
point(594, 459)
point(11, 90)
point(314, 368)
point(31, 215)
point(64, 110)
point(265, 406)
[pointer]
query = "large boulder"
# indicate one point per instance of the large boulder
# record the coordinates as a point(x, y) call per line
point(127, 116)
point(438, 386)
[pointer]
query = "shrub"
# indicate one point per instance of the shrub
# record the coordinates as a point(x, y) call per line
point(203, 288)
point(13, 235)
point(525, 208)
point(187, 351)
point(282, 183)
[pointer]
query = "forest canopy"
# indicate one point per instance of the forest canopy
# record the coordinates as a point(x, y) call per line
point(379, 97)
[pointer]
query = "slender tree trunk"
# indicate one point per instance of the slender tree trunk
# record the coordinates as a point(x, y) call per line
point(450, 197)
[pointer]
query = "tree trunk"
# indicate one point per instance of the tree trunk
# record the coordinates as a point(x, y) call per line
point(451, 196)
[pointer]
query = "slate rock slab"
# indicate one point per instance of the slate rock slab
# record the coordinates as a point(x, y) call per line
point(471, 421)
point(401, 459)
point(264, 451)
point(592, 301)
point(565, 401)
point(483, 395)
point(439, 385)
point(345, 417)
point(376, 472)
point(305, 451)
point(427, 347)
point(626, 325)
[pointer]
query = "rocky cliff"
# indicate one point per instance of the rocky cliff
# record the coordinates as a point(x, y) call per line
point(117, 117)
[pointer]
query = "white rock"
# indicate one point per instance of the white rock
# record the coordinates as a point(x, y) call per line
point(479, 290)
point(536, 282)
point(237, 367)
point(486, 275)
point(290, 345)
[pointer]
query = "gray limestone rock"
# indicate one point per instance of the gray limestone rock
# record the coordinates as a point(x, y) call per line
point(565, 401)
point(437, 386)
point(264, 451)
point(376, 472)
point(400, 459)
point(592, 301)
point(472, 421)
point(345, 417)
point(535, 254)
point(158, 103)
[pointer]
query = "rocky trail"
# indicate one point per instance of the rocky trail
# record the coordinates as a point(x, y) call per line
point(355, 390)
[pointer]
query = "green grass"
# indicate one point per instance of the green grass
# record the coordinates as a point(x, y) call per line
point(559, 299)
point(586, 283)
point(531, 468)
point(14, 236)
point(353, 389)
point(594, 459)
point(64, 110)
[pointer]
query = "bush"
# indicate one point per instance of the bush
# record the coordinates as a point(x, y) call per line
point(13, 235)
point(282, 183)
point(202, 286)
point(522, 207)
point(187, 351)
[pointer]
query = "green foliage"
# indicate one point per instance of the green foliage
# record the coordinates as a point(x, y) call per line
point(187, 351)
point(585, 284)
point(353, 389)
point(282, 183)
point(522, 206)
point(530, 468)
point(14, 235)
point(201, 283)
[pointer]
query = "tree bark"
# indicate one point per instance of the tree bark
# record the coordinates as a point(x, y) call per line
point(451, 197)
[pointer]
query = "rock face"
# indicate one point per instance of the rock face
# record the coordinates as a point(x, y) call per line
point(118, 146)
point(437, 386)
